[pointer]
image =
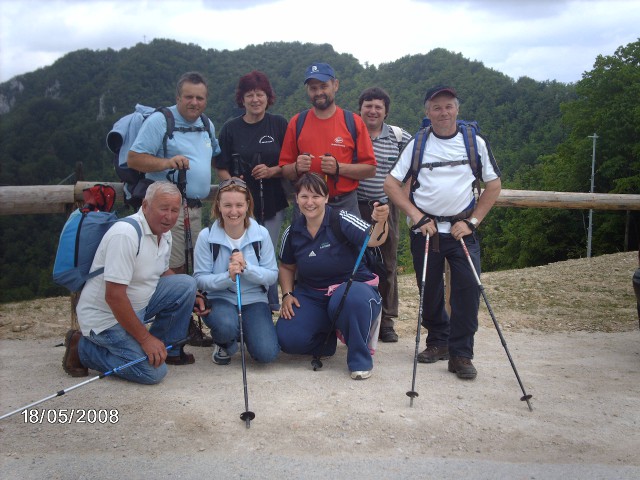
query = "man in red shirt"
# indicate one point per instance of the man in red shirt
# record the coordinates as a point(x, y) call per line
point(324, 143)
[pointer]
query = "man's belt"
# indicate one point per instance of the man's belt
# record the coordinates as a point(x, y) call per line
point(337, 198)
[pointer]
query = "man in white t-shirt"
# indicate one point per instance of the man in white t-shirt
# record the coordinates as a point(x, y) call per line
point(443, 205)
point(137, 287)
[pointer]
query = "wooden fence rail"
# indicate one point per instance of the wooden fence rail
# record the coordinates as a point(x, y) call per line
point(37, 199)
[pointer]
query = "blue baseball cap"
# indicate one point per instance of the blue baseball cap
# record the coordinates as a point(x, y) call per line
point(319, 71)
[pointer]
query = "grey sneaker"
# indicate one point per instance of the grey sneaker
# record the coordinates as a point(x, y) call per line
point(463, 368)
point(433, 353)
point(361, 374)
point(220, 356)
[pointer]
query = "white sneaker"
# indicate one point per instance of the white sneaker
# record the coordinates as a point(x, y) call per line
point(220, 356)
point(361, 374)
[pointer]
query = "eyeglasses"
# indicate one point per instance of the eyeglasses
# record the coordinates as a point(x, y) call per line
point(232, 181)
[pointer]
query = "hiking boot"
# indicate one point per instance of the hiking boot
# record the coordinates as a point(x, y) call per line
point(71, 361)
point(220, 356)
point(183, 359)
point(361, 374)
point(197, 337)
point(433, 353)
point(462, 367)
point(388, 335)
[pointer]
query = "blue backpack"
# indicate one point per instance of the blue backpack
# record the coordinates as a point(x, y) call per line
point(123, 135)
point(79, 241)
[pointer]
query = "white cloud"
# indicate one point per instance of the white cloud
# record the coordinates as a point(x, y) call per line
point(542, 39)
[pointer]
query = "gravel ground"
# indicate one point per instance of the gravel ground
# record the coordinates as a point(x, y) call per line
point(571, 329)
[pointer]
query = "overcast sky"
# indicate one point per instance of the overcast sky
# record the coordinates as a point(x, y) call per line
point(541, 39)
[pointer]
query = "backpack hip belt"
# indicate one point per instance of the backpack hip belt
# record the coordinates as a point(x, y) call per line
point(451, 219)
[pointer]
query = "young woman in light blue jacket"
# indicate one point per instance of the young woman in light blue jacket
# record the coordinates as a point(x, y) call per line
point(236, 245)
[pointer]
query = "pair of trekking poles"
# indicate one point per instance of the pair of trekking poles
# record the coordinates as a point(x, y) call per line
point(412, 393)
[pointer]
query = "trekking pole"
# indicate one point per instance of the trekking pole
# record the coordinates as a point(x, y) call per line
point(97, 377)
point(412, 393)
point(525, 397)
point(315, 362)
point(200, 339)
point(236, 165)
point(247, 415)
point(188, 241)
point(258, 161)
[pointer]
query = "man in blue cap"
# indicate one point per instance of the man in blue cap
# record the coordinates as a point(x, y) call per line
point(328, 140)
point(442, 204)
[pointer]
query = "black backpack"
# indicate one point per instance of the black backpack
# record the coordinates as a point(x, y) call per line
point(123, 135)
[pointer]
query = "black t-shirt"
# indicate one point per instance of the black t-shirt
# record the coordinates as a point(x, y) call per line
point(256, 143)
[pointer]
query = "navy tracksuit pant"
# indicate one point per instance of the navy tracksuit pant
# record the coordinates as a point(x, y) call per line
point(306, 332)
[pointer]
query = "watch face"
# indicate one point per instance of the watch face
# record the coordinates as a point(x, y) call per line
point(474, 221)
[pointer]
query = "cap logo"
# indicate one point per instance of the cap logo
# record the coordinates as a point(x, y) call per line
point(314, 68)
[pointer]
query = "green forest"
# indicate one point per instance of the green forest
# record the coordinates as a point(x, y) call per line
point(59, 115)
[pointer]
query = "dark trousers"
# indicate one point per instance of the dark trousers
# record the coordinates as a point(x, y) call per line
point(458, 330)
point(388, 286)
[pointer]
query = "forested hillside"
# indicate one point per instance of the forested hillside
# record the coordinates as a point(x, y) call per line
point(59, 115)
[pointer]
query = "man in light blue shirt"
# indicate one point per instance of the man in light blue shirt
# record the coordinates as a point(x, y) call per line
point(191, 146)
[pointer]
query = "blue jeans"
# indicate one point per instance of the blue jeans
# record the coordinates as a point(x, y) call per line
point(306, 332)
point(257, 328)
point(171, 305)
point(458, 331)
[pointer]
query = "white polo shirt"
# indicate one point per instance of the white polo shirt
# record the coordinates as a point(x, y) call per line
point(117, 254)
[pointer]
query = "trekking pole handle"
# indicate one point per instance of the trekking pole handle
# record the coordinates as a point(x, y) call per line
point(381, 201)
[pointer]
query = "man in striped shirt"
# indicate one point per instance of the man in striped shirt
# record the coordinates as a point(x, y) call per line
point(387, 143)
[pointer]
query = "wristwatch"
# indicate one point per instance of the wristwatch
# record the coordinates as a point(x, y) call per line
point(472, 223)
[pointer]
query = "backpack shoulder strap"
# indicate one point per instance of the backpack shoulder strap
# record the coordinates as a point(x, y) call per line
point(469, 132)
point(215, 249)
point(171, 125)
point(302, 116)
point(397, 131)
point(257, 247)
point(207, 125)
point(334, 220)
point(351, 126)
point(136, 225)
point(419, 142)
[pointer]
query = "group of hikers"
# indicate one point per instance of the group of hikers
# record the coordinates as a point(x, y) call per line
point(342, 167)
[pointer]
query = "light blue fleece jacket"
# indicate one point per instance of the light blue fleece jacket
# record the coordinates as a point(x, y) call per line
point(257, 276)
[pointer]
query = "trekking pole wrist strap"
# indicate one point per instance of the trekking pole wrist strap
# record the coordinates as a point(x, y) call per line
point(423, 221)
point(471, 226)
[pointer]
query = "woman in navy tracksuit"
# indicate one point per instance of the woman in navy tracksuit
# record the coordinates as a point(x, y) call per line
point(320, 265)
point(254, 263)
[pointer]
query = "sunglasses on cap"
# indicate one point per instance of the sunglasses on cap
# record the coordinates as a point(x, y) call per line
point(232, 181)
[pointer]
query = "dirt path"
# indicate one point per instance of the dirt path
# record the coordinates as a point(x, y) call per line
point(585, 387)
